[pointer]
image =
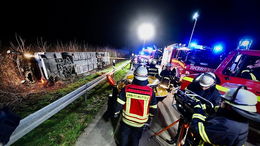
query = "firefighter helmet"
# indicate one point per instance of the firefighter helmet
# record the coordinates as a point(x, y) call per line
point(154, 62)
point(141, 73)
point(241, 99)
point(207, 79)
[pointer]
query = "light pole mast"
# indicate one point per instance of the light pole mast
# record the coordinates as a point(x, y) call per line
point(195, 17)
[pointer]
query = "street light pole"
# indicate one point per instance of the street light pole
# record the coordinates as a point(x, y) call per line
point(195, 16)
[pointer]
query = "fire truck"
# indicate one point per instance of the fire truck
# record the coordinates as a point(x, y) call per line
point(149, 53)
point(231, 73)
point(195, 59)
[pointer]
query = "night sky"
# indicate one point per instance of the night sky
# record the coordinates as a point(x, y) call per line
point(114, 23)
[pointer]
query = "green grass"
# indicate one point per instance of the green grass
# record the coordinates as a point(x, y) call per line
point(65, 127)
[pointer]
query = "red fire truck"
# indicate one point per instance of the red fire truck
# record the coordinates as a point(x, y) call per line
point(195, 59)
point(231, 72)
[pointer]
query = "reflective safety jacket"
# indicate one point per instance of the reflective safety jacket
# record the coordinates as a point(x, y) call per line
point(138, 103)
point(225, 128)
point(248, 74)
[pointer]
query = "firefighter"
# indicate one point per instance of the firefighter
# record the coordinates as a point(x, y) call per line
point(114, 64)
point(252, 72)
point(152, 69)
point(168, 72)
point(229, 126)
point(139, 106)
point(205, 86)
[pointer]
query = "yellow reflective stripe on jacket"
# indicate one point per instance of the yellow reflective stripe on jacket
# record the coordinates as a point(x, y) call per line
point(145, 98)
point(199, 116)
point(253, 77)
point(143, 120)
point(202, 132)
point(258, 98)
point(153, 106)
point(187, 79)
point(120, 101)
point(131, 123)
point(134, 119)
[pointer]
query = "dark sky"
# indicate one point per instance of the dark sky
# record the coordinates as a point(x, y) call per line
point(114, 22)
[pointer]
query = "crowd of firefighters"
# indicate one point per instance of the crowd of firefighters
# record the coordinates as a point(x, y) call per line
point(227, 125)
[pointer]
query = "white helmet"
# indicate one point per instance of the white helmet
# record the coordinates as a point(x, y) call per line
point(154, 62)
point(241, 99)
point(141, 73)
point(207, 79)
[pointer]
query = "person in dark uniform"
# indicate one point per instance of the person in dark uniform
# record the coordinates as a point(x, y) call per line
point(139, 105)
point(168, 72)
point(205, 86)
point(229, 126)
point(114, 64)
point(252, 72)
point(152, 69)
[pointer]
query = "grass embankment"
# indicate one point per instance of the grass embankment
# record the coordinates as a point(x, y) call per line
point(65, 127)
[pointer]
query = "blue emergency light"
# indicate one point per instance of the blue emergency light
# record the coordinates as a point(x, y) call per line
point(196, 46)
point(244, 44)
point(218, 48)
point(150, 49)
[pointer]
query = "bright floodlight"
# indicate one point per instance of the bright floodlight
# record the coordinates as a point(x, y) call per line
point(146, 31)
point(195, 16)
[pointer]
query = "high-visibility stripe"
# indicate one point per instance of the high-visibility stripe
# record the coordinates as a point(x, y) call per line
point(150, 114)
point(203, 132)
point(199, 116)
point(201, 143)
point(258, 98)
point(131, 123)
point(221, 88)
point(253, 77)
point(187, 79)
point(120, 101)
point(141, 120)
point(153, 106)
point(197, 106)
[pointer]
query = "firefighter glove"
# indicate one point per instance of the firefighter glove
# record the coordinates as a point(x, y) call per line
point(116, 115)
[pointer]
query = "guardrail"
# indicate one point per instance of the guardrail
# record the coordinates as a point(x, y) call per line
point(35, 119)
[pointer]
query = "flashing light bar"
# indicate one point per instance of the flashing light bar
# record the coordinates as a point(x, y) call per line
point(218, 48)
point(196, 46)
point(244, 44)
